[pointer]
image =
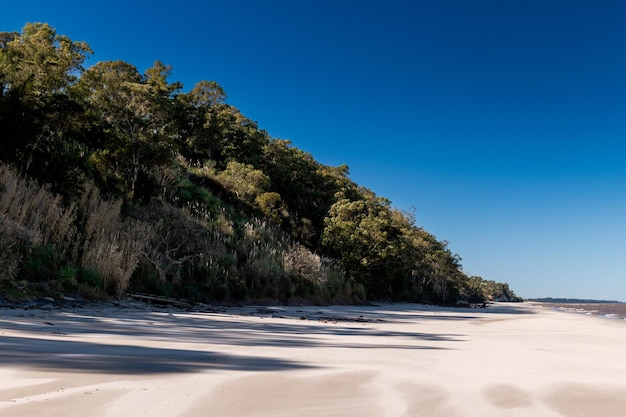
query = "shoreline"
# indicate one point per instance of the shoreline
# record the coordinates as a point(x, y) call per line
point(400, 360)
point(603, 310)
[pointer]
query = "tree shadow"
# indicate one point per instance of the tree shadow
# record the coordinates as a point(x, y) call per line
point(48, 343)
point(47, 354)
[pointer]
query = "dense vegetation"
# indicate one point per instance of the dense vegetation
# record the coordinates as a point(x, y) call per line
point(115, 180)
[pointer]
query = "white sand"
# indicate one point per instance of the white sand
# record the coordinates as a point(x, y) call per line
point(388, 360)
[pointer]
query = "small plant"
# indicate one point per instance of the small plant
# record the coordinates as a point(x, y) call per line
point(303, 263)
point(68, 277)
point(91, 293)
point(41, 264)
point(89, 277)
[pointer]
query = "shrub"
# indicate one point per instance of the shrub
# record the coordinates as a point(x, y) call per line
point(89, 277)
point(41, 264)
point(91, 293)
point(68, 277)
point(304, 264)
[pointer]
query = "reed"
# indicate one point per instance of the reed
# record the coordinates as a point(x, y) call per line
point(111, 246)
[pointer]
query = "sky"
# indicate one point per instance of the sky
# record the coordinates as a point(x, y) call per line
point(502, 124)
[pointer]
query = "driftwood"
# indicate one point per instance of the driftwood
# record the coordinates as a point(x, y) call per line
point(156, 299)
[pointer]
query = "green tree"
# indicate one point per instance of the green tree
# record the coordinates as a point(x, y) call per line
point(39, 61)
point(307, 187)
point(40, 119)
point(138, 114)
point(244, 181)
point(212, 129)
point(361, 234)
point(199, 136)
point(272, 206)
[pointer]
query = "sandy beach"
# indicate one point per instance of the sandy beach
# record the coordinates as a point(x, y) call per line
point(385, 360)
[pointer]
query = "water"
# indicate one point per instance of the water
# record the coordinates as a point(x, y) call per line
point(607, 310)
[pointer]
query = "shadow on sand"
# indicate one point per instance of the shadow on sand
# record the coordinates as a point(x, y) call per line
point(48, 344)
point(90, 357)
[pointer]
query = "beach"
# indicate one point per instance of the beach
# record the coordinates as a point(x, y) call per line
point(135, 359)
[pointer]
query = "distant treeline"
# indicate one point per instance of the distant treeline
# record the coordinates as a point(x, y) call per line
point(573, 301)
point(113, 180)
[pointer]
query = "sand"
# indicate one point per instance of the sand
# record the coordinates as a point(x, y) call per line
point(385, 360)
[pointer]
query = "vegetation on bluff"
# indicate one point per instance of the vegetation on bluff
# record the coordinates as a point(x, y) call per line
point(115, 180)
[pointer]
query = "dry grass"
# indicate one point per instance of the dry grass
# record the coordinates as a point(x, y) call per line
point(30, 215)
point(111, 246)
point(40, 214)
point(12, 238)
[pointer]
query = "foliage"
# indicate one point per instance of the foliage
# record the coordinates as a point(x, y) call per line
point(39, 60)
point(244, 181)
point(40, 121)
point(128, 182)
point(491, 290)
point(137, 111)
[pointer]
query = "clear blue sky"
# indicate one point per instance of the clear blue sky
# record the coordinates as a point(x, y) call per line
point(503, 123)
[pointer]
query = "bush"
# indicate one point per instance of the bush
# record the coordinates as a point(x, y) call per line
point(41, 264)
point(89, 277)
point(68, 277)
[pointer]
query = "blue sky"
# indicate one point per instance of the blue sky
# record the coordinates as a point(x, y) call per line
point(502, 123)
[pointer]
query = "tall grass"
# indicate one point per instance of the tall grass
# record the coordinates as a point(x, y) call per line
point(111, 246)
point(35, 221)
point(12, 238)
point(30, 217)
point(41, 215)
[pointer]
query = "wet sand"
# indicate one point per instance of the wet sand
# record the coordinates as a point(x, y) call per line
point(386, 360)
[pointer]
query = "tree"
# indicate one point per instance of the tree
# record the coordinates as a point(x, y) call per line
point(40, 119)
point(244, 181)
point(361, 234)
point(206, 95)
point(39, 61)
point(215, 130)
point(272, 206)
point(196, 140)
point(307, 187)
point(137, 111)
